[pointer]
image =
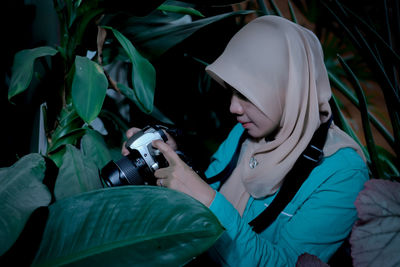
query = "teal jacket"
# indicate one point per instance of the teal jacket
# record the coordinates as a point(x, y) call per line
point(316, 221)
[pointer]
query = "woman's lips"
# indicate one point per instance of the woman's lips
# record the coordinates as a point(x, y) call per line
point(245, 124)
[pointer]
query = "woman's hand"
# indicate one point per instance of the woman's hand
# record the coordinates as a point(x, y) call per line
point(179, 176)
point(130, 132)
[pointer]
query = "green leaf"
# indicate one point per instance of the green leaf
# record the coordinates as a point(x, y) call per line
point(130, 226)
point(156, 113)
point(22, 69)
point(94, 148)
point(69, 138)
point(346, 127)
point(275, 8)
point(388, 163)
point(180, 9)
point(89, 88)
point(292, 12)
point(21, 192)
point(69, 121)
point(76, 175)
point(57, 156)
point(347, 92)
point(375, 166)
point(143, 74)
point(155, 41)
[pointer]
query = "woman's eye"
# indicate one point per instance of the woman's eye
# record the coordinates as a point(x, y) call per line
point(239, 95)
point(235, 92)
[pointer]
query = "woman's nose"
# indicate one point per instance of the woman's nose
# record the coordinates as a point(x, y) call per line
point(236, 107)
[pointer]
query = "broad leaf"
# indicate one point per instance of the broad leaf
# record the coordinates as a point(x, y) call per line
point(89, 88)
point(143, 74)
point(375, 239)
point(95, 149)
point(180, 9)
point(69, 121)
point(156, 113)
point(76, 175)
point(155, 41)
point(21, 192)
point(70, 138)
point(22, 69)
point(57, 156)
point(130, 226)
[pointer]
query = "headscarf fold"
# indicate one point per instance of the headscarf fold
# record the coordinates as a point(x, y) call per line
point(278, 66)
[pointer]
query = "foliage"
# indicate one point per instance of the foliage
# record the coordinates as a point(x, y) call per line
point(124, 225)
point(20, 196)
point(375, 237)
point(362, 55)
point(161, 48)
point(140, 225)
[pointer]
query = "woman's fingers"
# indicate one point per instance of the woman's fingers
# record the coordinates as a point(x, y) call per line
point(129, 133)
point(169, 154)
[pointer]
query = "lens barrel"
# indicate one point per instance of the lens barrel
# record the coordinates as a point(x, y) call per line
point(130, 170)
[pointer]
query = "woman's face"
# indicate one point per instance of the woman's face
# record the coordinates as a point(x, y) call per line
point(257, 124)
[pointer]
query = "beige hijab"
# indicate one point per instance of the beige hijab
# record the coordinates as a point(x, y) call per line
point(278, 65)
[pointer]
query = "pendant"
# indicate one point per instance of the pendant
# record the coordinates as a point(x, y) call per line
point(253, 162)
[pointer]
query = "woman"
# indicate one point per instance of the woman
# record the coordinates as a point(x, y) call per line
point(280, 97)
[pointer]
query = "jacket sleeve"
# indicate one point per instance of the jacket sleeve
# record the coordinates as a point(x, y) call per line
point(318, 226)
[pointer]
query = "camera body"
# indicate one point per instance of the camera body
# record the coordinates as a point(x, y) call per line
point(139, 166)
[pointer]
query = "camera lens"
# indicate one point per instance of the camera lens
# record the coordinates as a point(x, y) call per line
point(130, 170)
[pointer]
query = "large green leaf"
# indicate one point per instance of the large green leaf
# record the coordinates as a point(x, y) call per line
point(21, 192)
point(77, 174)
point(94, 148)
point(155, 41)
point(143, 74)
point(88, 88)
point(127, 226)
point(69, 121)
point(22, 69)
point(70, 138)
point(156, 113)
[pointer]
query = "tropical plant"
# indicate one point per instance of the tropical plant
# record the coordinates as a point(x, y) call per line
point(366, 52)
point(54, 209)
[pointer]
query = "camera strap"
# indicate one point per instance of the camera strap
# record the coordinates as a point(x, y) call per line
point(308, 160)
point(227, 171)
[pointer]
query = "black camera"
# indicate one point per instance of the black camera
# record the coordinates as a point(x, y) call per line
point(139, 166)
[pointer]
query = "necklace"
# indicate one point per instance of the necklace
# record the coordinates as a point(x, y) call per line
point(253, 162)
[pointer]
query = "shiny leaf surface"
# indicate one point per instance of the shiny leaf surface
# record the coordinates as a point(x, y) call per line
point(156, 41)
point(21, 192)
point(95, 149)
point(22, 69)
point(129, 226)
point(143, 74)
point(76, 175)
point(89, 88)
